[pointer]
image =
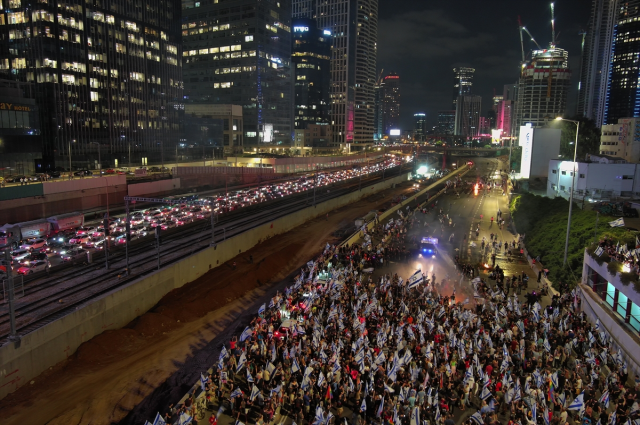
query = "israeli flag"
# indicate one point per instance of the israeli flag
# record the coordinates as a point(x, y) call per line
point(486, 394)
point(534, 412)
point(380, 407)
point(578, 403)
point(295, 367)
point(319, 419)
point(321, 379)
point(363, 405)
point(547, 346)
point(477, 418)
point(159, 420)
point(223, 353)
point(617, 223)
point(246, 334)
point(415, 280)
point(236, 393)
point(203, 381)
point(604, 399)
point(184, 419)
point(249, 377)
point(336, 368)
point(329, 417)
point(599, 250)
point(562, 399)
point(546, 416)
point(262, 308)
point(415, 416)
point(241, 361)
point(254, 392)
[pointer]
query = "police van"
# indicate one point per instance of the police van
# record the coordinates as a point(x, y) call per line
point(428, 247)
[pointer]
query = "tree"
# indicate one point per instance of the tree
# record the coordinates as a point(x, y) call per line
point(588, 138)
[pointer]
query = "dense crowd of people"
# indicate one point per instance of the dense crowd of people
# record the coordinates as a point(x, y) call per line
point(339, 347)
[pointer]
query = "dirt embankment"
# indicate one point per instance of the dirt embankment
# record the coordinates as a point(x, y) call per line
point(158, 356)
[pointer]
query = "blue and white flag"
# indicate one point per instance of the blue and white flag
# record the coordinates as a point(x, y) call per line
point(415, 416)
point(486, 394)
point(321, 379)
point(534, 412)
point(329, 417)
point(477, 418)
point(236, 393)
point(604, 399)
point(546, 416)
point(241, 362)
point(184, 419)
point(254, 392)
point(363, 405)
point(414, 280)
point(617, 223)
point(319, 419)
point(295, 367)
point(246, 334)
point(262, 308)
point(578, 403)
point(249, 377)
point(223, 353)
point(380, 407)
point(203, 381)
point(159, 420)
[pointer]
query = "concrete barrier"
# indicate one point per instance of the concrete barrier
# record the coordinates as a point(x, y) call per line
point(150, 188)
point(17, 192)
point(78, 184)
point(56, 341)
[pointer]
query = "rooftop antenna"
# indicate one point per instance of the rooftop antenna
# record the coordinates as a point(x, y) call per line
point(553, 27)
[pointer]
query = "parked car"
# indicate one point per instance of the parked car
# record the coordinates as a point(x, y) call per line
point(83, 173)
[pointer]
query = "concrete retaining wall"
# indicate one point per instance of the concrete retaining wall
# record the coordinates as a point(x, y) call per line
point(153, 188)
point(56, 341)
point(77, 185)
point(17, 192)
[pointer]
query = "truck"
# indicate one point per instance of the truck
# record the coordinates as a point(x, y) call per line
point(67, 221)
point(15, 233)
point(428, 247)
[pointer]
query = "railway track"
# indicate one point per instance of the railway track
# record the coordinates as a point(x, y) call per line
point(76, 286)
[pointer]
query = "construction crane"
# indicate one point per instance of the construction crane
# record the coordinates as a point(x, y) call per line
point(523, 28)
point(553, 27)
point(379, 80)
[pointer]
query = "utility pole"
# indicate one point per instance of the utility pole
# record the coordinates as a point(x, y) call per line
point(158, 244)
point(127, 236)
point(107, 233)
point(12, 310)
point(213, 223)
point(315, 183)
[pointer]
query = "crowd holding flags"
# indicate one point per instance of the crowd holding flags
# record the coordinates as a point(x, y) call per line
point(376, 347)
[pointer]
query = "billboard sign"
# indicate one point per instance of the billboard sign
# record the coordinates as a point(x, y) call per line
point(267, 135)
point(394, 132)
point(526, 142)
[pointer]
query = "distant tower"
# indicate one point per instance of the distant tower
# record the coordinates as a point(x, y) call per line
point(462, 83)
point(391, 102)
point(543, 88)
point(596, 57)
point(468, 109)
point(623, 98)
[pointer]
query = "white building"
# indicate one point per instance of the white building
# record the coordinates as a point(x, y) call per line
point(594, 181)
point(622, 140)
point(539, 145)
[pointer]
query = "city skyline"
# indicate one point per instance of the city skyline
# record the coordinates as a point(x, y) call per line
point(423, 44)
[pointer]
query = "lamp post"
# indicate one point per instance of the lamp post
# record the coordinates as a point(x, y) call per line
point(99, 158)
point(573, 182)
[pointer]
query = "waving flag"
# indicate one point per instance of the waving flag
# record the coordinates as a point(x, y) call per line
point(363, 405)
point(254, 393)
point(246, 334)
point(415, 280)
point(223, 353)
point(241, 361)
point(578, 403)
point(249, 377)
point(319, 419)
point(295, 367)
point(477, 418)
point(604, 399)
point(236, 393)
point(380, 407)
point(262, 308)
point(159, 420)
point(203, 381)
point(184, 419)
point(415, 416)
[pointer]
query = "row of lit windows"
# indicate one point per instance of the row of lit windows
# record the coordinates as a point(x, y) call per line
point(212, 28)
point(233, 48)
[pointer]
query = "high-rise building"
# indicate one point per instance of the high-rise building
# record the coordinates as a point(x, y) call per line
point(504, 115)
point(239, 52)
point(446, 122)
point(420, 128)
point(596, 57)
point(622, 140)
point(468, 113)
point(354, 28)
point(311, 63)
point(378, 111)
point(462, 83)
point(623, 99)
point(106, 75)
point(391, 102)
point(303, 9)
point(543, 88)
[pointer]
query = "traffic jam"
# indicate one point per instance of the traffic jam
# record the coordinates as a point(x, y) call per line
point(42, 244)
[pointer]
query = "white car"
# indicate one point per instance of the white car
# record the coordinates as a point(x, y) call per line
point(34, 266)
point(32, 244)
point(19, 254)
point(80, 240)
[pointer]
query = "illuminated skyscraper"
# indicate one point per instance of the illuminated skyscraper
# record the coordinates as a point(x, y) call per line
point(239, 52)
point(543, 88)
point(391, 102)
point(106, 75)
point(623, 99)
point(596, 58)
point(462, 83)
point(446, 122)
point(420, 128)
point(354, 28)
point(378, 111)
point(468, 112)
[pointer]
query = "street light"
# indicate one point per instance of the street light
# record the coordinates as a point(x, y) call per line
point(573, 182)
point(99, 159)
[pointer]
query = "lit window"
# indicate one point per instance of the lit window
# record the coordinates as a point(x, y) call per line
point(248, 38)
point(225, 48)
point(94, 96)
point(15, 18)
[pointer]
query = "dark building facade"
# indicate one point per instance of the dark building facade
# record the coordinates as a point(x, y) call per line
point(106, 75)
point(623, 99)
point(446, 122)
point(462, 83)
point(391, 102)
point(420, 129)
point(239, 52)
point(311, 63)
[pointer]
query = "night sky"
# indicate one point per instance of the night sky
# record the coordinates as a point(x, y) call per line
point(423, 40)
